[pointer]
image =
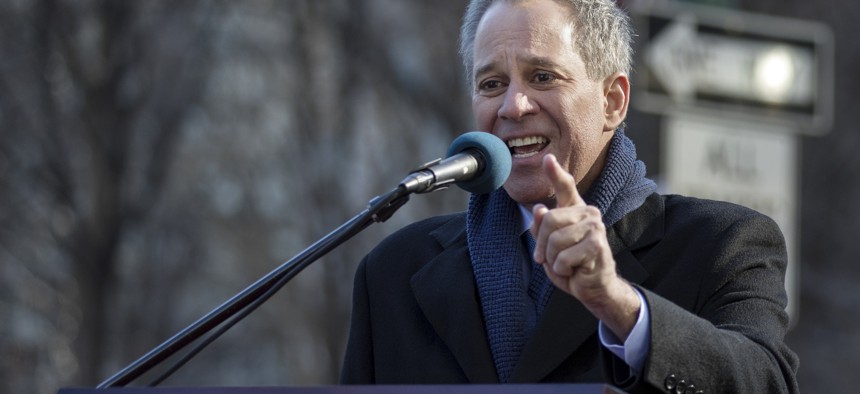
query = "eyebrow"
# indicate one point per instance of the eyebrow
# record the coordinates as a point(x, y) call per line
point(543, 62)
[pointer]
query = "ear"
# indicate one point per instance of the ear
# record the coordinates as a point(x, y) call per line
point(616, 90)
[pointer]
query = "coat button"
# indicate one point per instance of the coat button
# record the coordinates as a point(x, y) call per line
point(671, 382)
point(681, 388)
point(691, 389)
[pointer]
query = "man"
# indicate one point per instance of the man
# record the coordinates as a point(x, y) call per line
point(649, 293)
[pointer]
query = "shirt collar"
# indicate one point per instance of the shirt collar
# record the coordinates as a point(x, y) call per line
point(526, 218)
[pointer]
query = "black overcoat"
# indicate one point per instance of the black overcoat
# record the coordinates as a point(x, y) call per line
point(712, 274)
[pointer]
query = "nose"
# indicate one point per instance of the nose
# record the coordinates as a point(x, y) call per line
point(516, 104)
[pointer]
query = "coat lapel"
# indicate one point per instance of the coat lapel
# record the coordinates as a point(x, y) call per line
point(446, 292)
point(566, 323)
point(634, 235)
point(563, 327)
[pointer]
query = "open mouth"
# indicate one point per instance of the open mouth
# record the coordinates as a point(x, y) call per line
point(526, 146)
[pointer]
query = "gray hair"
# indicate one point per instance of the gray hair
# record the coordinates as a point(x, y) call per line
point(603, 36)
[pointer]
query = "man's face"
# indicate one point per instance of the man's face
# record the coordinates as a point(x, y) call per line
point(532, 91)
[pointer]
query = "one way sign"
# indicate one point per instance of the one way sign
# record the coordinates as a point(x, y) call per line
point(746, 65)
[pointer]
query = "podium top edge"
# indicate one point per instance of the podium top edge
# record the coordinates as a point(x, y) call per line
point(565, 388)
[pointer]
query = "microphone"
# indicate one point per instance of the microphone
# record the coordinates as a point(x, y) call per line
point(478, 162)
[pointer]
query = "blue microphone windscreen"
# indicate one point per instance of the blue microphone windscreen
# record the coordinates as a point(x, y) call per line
point(497, 158)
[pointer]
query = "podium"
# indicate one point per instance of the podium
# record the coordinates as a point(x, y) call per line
point(377, 389)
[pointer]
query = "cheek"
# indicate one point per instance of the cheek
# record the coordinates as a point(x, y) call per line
point(584, 128)
point(583, 115)
point(586, 109)
point(484, 114)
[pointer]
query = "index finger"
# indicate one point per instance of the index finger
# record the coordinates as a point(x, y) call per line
point(563, 182)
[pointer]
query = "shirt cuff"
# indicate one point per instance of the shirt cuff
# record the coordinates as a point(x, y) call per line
point(634, 350)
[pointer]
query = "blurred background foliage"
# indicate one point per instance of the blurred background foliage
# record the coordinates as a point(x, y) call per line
point(156, 157)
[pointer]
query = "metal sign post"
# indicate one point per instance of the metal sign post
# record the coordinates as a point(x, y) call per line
point(737, 90)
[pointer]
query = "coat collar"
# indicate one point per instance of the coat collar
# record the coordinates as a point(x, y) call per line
point(635, 232)
point(446, 292)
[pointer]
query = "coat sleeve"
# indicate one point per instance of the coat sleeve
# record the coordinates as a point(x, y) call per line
point(358, 361)
point(725, 333)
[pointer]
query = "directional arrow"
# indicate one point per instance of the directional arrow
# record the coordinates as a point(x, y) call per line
point(686, 61)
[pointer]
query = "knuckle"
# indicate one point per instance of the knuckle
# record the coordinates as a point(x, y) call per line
point(550, 219)
point(592, 244)
point(596, 223)
point(565, 262)
point(554, 238)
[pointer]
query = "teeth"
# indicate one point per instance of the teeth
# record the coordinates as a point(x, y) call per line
point(516, 142)
point(531, 142)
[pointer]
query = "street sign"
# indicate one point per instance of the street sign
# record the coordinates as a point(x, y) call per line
point(747, 163)
point(721, 61)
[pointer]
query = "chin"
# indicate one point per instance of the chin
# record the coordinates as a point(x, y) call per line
point(528, 193)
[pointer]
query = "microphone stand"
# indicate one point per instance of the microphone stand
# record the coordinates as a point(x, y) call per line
point(379, 210)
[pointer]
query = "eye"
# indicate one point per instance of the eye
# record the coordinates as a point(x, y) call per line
point(543, 77)
point(489, 85)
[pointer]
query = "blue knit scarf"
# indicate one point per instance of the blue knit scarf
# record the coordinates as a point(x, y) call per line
point(493, 230)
